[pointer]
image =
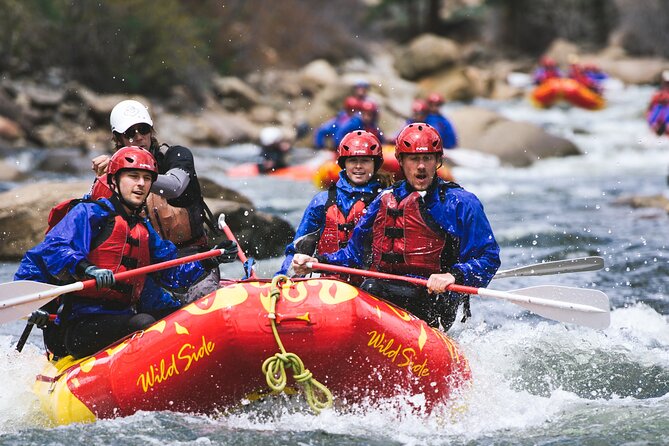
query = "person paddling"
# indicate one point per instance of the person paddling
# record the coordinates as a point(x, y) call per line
point(421, 226)
point(175, 206)
point(97, 239)
point(657, 113)
point(440, 123)
point(331, 215)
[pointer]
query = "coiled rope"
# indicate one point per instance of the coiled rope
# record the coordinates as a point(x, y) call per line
point(317, 395)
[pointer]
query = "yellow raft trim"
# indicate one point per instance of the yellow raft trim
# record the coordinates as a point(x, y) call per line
point(55, 397)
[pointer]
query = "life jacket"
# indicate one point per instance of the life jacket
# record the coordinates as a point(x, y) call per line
point(339, 226)
point(119, 247)
point(183, 226)
point(407, 240)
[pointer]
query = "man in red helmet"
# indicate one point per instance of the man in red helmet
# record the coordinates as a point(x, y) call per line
point(327, 130)
point(96, 239)
point(421, 226)
point(439, 122)
point(366, 119)
point(547, 69)
point(332, 214)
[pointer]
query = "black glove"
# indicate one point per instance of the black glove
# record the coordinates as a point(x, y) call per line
point(229, 255)
point(39, 318)
point(104, 278)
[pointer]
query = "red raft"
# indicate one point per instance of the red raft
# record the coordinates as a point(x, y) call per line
point(555, 90)
point(209, 355)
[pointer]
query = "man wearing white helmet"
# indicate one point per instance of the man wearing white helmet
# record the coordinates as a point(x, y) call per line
point(275, 146)
point(175, 206)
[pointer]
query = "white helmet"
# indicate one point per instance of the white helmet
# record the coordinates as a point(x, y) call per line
point(127, 113)
point(665, 75)
point(270, 135)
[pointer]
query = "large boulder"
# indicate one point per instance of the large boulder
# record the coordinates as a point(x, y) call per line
point(520, 143)
point(24, 212)
point(517, 144)
point(425, 54)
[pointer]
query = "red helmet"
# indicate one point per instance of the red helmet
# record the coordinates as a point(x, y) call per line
point(132, 157)
point(419, 106)
point(351, 104)
point(435, 98)
point(418, 138)
point(359, 143)
point(547, 62)
point(369, 106)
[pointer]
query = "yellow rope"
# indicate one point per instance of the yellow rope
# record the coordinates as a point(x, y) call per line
point(317, 395)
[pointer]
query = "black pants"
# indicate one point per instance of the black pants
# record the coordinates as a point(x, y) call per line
point(92, 333)
point(432, 308)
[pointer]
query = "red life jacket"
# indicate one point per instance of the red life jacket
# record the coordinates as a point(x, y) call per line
point(339, 227)
point(119, 248)
point(407, 241)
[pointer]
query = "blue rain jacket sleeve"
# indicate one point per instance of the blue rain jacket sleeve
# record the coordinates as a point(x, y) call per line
point(327, 129)
point(445, 129)
point(54, 259)
point(313, 220)
point(460, 214)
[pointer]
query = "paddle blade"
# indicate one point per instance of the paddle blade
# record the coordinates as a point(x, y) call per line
point(20, 298)
point(580, 306)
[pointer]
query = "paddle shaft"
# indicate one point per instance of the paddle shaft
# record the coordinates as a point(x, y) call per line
point(457, 288)
point(78, 286)
point(228, 233)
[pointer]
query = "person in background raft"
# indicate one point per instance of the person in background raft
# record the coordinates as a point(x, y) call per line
point(657, 114)
point(366, 119)
point(547, 69)
point(440, 123)
point(274, 148)
point(327, 130)
point(175, 206)
point(421, 226)
point(97, 239)
point(332, 214)
point(361, 90)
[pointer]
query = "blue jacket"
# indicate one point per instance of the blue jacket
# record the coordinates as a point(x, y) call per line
point(54, 260)
point(355, 122)
point(460, 214)
point(314, 215)
point(445, 129)
point(328, 129)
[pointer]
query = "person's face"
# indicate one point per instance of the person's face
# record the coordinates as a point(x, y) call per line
point(137, 135)
point(419, 169)
point(134, 186)
point(367, 117)
point(360, 91)
point(359, 169)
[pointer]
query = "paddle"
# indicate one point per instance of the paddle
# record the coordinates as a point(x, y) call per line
point(248, 266)
point(580, 264)
point(22, 297)
point(579, 306)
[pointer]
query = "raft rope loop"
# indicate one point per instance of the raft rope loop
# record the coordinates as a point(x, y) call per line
point(317, 395)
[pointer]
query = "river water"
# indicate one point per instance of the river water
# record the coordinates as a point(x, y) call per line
point(535, 381)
